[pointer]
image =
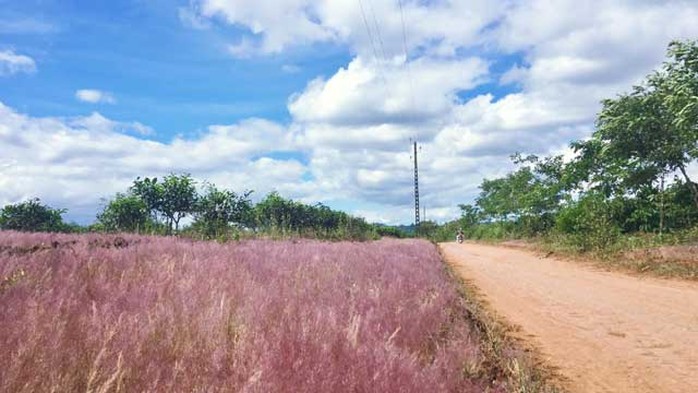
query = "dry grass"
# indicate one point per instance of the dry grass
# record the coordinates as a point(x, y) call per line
point(119, 314)
point(668, 261)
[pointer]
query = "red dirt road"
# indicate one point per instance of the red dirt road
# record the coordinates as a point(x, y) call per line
point(605, 332)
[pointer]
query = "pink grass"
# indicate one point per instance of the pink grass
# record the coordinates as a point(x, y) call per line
point(78, 313)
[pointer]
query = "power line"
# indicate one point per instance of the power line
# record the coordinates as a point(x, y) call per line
point(368, 30)
point(404, 31)
point(378, 31)
point(407, 56)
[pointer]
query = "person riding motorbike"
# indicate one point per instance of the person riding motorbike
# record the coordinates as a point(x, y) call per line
point(460, 235)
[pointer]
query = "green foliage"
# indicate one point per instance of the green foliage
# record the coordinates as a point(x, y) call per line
point(629, 177)
point(218, 211)
point(32, 216)
point(171, 199)
point(283, 217)
point(530, 196)
point(590, 223)
point(427, 229)
point(648, 133)
point(390, 231)
point(124, 213)
point(178, 198)
point(150, 192)
point(224, 214)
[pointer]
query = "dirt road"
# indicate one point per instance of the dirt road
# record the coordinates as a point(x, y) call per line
point(606, 332)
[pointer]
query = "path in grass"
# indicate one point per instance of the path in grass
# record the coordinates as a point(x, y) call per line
point(606, 332)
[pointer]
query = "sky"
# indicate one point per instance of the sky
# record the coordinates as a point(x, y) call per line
point(317, 100)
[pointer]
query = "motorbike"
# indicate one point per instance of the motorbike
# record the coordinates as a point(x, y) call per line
point(459, 238)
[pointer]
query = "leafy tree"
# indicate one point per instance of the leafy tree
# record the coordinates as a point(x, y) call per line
point(124, 213)
point(648, 133)
point(217, 209)
point(32, 216)
point(530, 195)
point(150, 192)
point(274, 212)
point(470, 217)
point(172, 199)
point(178, 198)
point(279, 215)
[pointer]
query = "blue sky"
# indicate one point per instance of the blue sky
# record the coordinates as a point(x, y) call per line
point(315, 99)
point(174, 79)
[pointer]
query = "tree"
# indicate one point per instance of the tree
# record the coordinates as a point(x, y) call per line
point(649, 133)
point(172, 199)
point(528, 196)
point(32, 216)
point(150, 192)
point(178, 198)
point(124, 213)
point(470, 216)
point(217, 209)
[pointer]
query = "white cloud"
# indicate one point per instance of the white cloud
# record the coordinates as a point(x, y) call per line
point(378, 93)
point(354, 126)
point(190, 17)
point(244, 49)
point(12, 63)
point(74, 162)
point(283, 24)
point(95, 96)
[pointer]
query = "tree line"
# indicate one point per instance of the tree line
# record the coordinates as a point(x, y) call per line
point(158, 206)
point(630, 176)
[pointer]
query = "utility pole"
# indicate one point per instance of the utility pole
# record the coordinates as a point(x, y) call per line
point(416, 190)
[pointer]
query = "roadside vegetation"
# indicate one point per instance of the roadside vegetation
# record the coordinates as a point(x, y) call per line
point(626, 189)
point(96, 312)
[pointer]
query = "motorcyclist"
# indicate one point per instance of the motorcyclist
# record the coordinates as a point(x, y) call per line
point(460, 235)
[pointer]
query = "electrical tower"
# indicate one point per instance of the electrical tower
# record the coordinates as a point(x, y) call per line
point(416, 189)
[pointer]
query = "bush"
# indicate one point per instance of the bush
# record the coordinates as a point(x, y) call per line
point(589, 224)
point(32, 216)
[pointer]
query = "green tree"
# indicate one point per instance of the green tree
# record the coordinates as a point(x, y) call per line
point(470, 217)
point(649, 133)
point(217, 209)
point(591, 222)
point(529, 196)
point(178, 198)
point(171, 200)
point(150, 192)
point(32, 216)
point(124, 213)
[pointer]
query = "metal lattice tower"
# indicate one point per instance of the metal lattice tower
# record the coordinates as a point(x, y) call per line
point(416, 189)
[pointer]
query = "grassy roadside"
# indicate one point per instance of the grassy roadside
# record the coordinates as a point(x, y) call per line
point(669, 256)
point(508, 358)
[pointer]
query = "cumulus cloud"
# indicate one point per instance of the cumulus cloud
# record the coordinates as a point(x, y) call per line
point(95, 96)
point(359, 120)
point(380, 93)
point(551, 62)
point(73, 162)
point(12, 63)
point(366, 26)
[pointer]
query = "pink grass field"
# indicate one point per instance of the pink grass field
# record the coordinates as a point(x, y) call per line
point(127, 313)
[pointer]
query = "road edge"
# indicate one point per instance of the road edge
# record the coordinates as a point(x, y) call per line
point(520, 362)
